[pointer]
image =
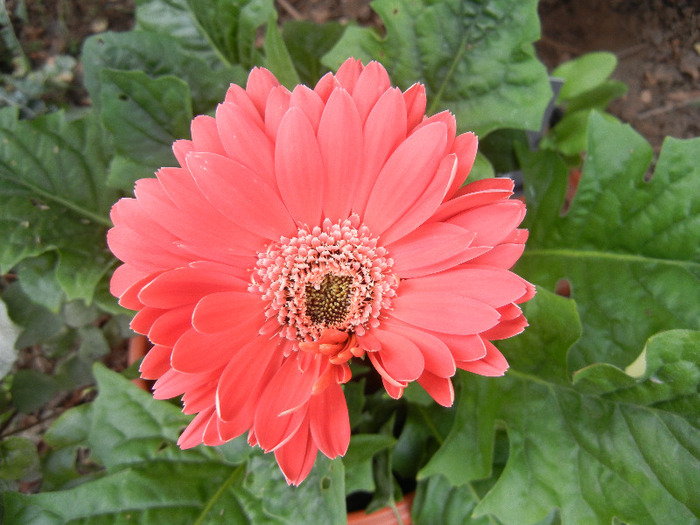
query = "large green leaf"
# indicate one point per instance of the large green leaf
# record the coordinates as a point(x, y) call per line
point(231, 27)
point(627, 246)
point(475, 57)
point(145, 117)
point(619, 447)
point(148, 479)
point(53, 197)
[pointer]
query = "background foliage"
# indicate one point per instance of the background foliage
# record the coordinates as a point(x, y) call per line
point(596, 421)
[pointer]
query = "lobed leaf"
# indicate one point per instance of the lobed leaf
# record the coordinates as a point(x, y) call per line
point(628, 247)
point(53, 198)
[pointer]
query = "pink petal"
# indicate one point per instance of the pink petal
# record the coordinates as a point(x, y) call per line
point(504, 255)
point(123, 278)
point(182, 286)
point(205, 135)
point(506, 329)
point(181, 148)
point(465, 146)
point(283, 404)
point(299, 168)
point(443, 312)
point(439, 388)
point(155, 363)
point(142, 320)
point(245, 142)
point(427, 245)
point(129, 298)
point(211, 436)
point(296, 458)
point(194, 433)
point(464, 347)
point(309, 102)
point(384, 130)
point(221, 311)
point(493, 365)
point(325, 86)
point(437, 356)
point(196, 353)
point(493, 286)
point(395, 392)
point(405, 176)
point(240, 98)
point(260, 83)
point(371, 84)
point(340, 142)
point(492, 223)
point(241, 195)
point(426, 204)
point(240, 382)
point(400, 357)
point(329, 421)
point(415, 104)
point(465, 201)
point(277, 106)
point(196, 214)
point(448, 119)
point(348, 73)
point(167, 329)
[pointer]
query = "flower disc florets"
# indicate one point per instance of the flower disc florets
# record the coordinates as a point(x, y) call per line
point(329, 276)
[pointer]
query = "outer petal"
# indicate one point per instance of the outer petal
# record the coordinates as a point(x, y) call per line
point(329, 421)
point(405, 176)
point(283, 405)
point(276, 107)
point(492, 223)
point(340, 141)
point(425, 247)
point(443, 312)
point(384, 130)
point(241, 195)
point(246, 142)
point(371, 84)
point(297, 456)
point(439, 388)
point(299, 168)
point(260, 83)
point(402, 359)
point(494, 364)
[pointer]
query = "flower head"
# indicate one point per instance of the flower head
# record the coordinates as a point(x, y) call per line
point(306, 229)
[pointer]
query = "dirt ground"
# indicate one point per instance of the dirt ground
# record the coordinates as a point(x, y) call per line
point(657, 43)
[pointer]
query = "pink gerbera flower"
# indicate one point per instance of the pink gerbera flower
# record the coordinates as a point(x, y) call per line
point(305, 229)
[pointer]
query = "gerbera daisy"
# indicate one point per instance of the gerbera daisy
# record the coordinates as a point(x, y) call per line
point(306, 229)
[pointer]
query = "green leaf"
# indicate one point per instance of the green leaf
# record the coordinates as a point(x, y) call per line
point(231, 27)
point(277, 58)
point(476, 59)
point(438, 501)
point(156, 55)
point(145, 117)
point(584, 73)
point(307, 42)
point(150, 480)
point(358, 460)
point(31, 389)
point(614, 448)
point(628, 247)
point(18, 458)
point(53, 197)
point(38, 324)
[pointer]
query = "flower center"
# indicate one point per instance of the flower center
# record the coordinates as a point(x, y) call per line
point(333, 276)
point(329, 302)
